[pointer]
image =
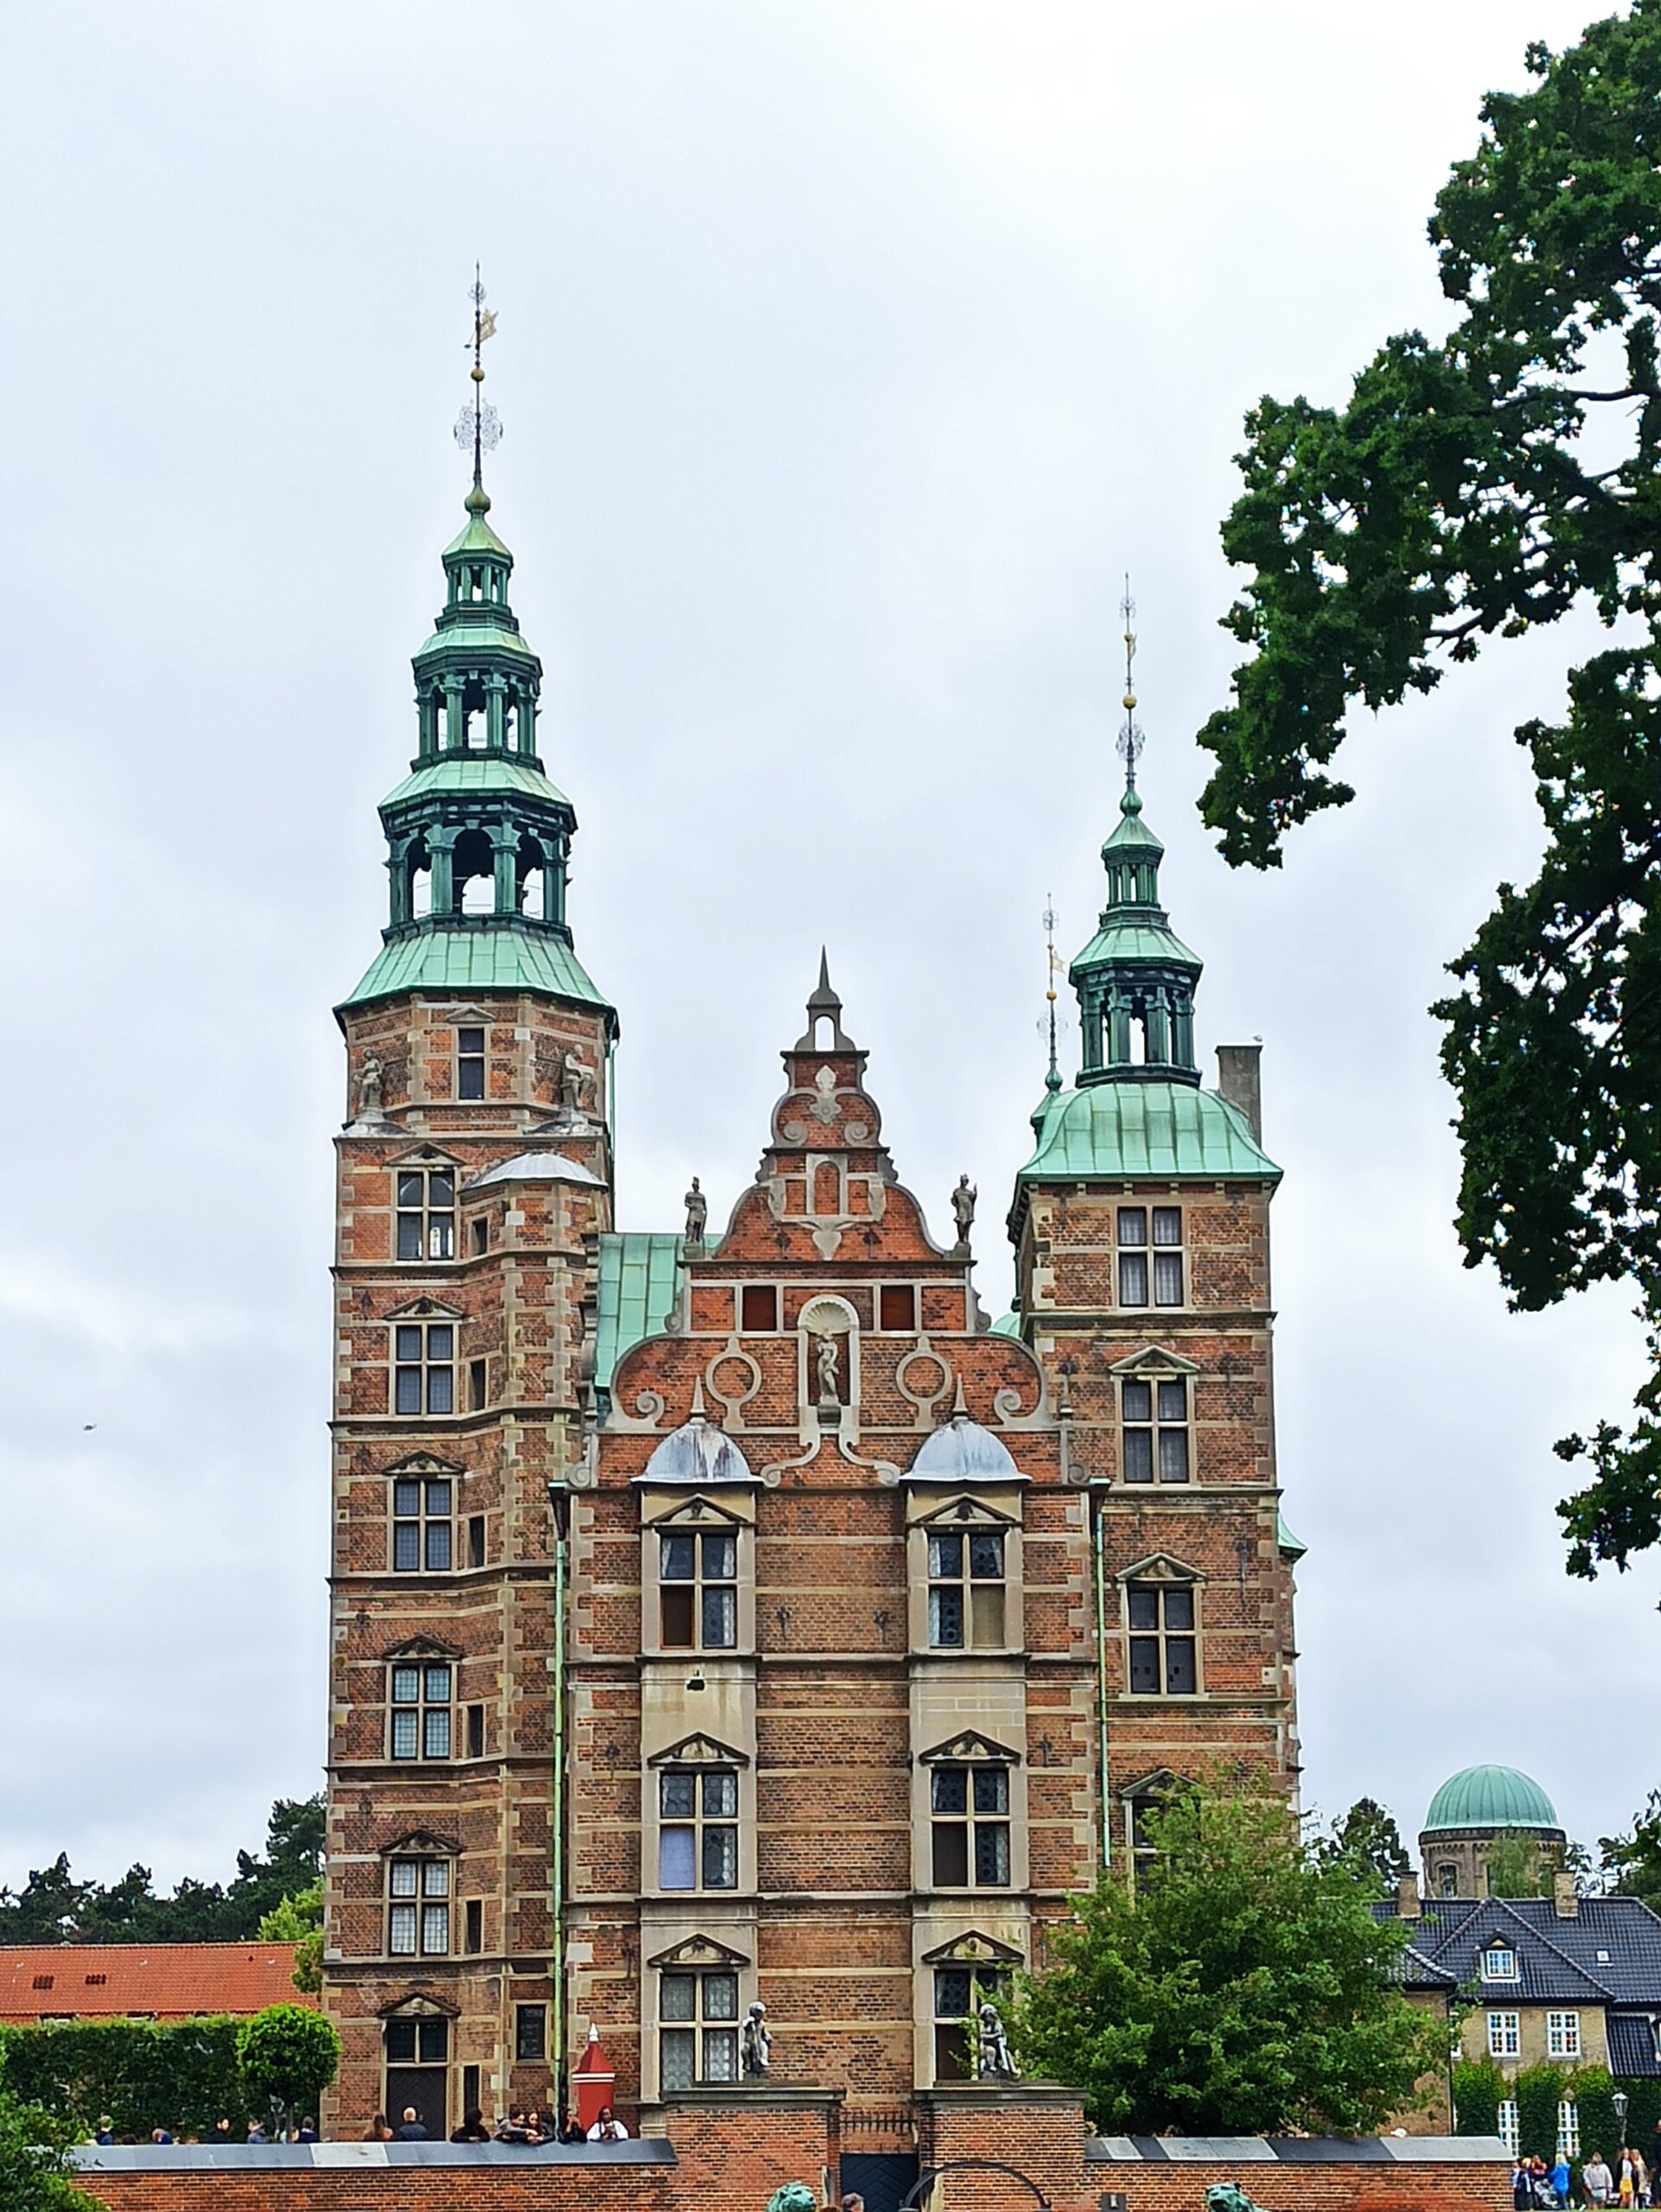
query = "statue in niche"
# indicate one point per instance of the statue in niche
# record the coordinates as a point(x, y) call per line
point(825, 1354)
point(369, 1097)
point(576, 1086)
point(754, 2043)
point(697, 1213)
point(993, 2061)
point(962, 1207)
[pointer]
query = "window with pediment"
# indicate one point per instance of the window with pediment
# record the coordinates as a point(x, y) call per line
point(699, 1786)
point(700, 1988)
point(971, 1784)
point(961, 1977)
point(965, 1559)
point(1163, 1629)
point(420, 1889)
point(696, 1575)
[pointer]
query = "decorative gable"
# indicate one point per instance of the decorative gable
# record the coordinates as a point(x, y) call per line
point(423, 1155)
point(424, 1309)
point(696, 1510)
point(699, 1951)
point(1159, 1567)
point(422, 1842)
point(699, 1750)
point(957, 1512)
point(1153, 1359)
point(973, 1948)
point(971, 1745)
point(419, 2004)
point(422, 1647)
point(422, 1463)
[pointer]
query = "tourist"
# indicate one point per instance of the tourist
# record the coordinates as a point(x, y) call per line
point(160, 2135)
point(1597, 2180)
point(855, 2202)
point(571, 2130)
point(411, 2130)
point(1640, 2177)
point(256, 2134)
point(105, 2129)
point(538, 2128)
point(513, 2128)
point(221, 2131)
point(607, 2128)
point(379, 2129)
point(307, 2132)
point(1559, 2178)
point(473, 2128)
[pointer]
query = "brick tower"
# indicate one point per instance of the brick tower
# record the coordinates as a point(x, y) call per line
point(1141, 1230)
point(474, 1182)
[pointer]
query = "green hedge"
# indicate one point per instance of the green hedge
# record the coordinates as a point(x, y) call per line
point(182, 2077)
point(1477, 2087)
point(1538, 2090)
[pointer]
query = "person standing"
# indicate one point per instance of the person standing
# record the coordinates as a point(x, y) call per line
point(1597, 2180)
point(607, 2128)
point(379, 2129)
point(411, 2130)
point(1560, 2177)
point(473, 2128)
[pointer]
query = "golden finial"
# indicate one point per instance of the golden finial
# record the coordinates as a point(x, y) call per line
point(479, 425)
point(1131, 739)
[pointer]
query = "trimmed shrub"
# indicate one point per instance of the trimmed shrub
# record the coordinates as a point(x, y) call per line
point(1538, 2091)
point(182, 2075)
point(1477, 2087)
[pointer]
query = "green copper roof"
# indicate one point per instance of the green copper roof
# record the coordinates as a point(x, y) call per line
point(1117, 1130)
point(1007, 1325)
point(460, 636)
point(500, 958)
point(640, 1272)
point(1286, 1541)
point(1490, 1797)
point(476, 772)
point(477, 537)
point(1133, 940)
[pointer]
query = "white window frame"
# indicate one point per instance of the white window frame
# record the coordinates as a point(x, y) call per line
point(426, 1905)
point(705, 2031)
point(1562, 2034)
point(431, 1706)
point(1505, 2035)
point(1491, 1971)
point(1506, 2124)
point(1568, 2129)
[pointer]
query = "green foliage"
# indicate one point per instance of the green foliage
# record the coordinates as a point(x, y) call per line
point(289, 2054)
point(1368, 1836)
point(52, 1907)
point(1244, 1988)
point(1477, 2088)
point(145, 2075)
point(1452, 498)
point(34, 2160)
point(1539, 2090)
point(1632, 1864)
point(1593, 2095)
point(299, 1920)
point(1517, 1867)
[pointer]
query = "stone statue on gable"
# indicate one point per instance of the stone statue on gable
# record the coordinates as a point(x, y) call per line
point(697, 1213)
point(962, 1207)
point(754, 2043)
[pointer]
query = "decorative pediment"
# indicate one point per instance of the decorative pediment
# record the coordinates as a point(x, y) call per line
point(960, 1512)
point(422, 1463)
point(421, 1647)
point(699, 1750)
point(420, 2005)
point(447, 1017)
point(971, 1745)
point(423, 1155)
point(424, 1309)
point(972, 1948)
point(697, 1512)
point(1154, 1784)
point(1159, 1567)
point(1153, 1359)
point(423, 1844)
point(699, 1951)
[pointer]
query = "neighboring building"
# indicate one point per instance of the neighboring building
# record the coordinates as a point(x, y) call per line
point(1574, 1980)
point(729, 1615)
point(42, 1983)
point(1470, 1814)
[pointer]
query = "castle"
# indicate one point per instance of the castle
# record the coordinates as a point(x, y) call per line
point(729, 1617)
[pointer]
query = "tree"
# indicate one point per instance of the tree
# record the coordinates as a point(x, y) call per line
point(1242, 1988)
point(288, 2054)
point(1479, 2086)
point(1632, 1862)
point(34, 2161)
point(1517, 1867)
point(1455, 498)
point(1368, 1836)
point(299, 1920)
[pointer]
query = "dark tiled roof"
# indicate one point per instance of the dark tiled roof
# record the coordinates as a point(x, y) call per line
point(1557, 1959)
point(1632, 2044)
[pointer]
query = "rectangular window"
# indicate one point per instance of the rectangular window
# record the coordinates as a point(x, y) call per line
point(426, 1213)
point(1168, 1278)
point(417, 1911)
point(896, 1308)
point(423, 1367)
point(699, 1589)
point(1562, 2034)
point(958, 1993)
point(478, 1386)
point(695, 2049)
point(697, 1839)
point(1506, 2123)
point(758, 1308)
point(469, 1063)
point(530, 2031)
point(475, 1917)
point(475, 1732)
point(1154, 1415)
point(969, 1838)
point(482, 1234)
point(1133, 1279)
point(1163, 1642)
point(966, 1591)
point(1568, 2129)
point(1500, 1963)
point(422, 1507)
point(476, 1541)
point(419, 1696)
point(1505, 2036)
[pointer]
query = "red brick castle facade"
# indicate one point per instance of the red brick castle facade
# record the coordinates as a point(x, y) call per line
point(733, 1618)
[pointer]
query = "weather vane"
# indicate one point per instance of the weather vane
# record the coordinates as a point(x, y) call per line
point(1131, 739)
point(1053, 969)
point(478, 426)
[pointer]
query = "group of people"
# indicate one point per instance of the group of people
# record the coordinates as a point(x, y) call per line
point(222, 2132)
point(1537, 2187)
point(531, 2126)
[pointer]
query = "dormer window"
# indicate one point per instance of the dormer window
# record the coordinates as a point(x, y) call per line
point(1500, 1963)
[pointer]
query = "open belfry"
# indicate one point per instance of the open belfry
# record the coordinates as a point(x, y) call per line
point(741, 1648)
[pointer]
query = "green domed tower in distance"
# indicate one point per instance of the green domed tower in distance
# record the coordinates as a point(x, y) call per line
point(1469, 1814)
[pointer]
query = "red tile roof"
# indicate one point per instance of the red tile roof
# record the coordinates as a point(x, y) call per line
point(173, 1981)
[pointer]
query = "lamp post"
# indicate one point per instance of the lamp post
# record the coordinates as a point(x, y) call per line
point(1620, 2101)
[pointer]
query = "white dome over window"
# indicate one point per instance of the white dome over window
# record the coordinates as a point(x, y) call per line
point(700, 1452)
point(962, 1451)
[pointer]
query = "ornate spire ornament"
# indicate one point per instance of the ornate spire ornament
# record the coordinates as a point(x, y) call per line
point(1130, 741)
point(479, 425)
point(1052, 967)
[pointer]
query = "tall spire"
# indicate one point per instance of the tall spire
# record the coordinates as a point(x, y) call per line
point(1136, 978)
point(478, 837)
point(1051, 968)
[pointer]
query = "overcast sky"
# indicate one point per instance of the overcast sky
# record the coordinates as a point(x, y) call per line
point(849, 354)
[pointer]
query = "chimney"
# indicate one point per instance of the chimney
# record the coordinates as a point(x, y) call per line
point(1239, 1077)
point(1407, 1897)
point(1565, 1898)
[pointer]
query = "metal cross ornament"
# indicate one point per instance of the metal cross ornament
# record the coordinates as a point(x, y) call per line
point(479, 425)
point(1130, 741)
